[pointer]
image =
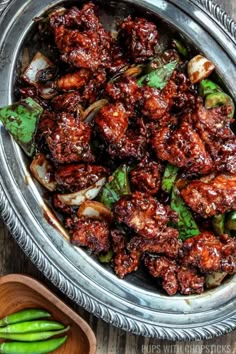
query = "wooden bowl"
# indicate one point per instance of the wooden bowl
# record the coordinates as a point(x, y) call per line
point(18, 292)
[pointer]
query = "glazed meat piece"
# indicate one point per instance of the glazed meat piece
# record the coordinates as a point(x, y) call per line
point(94, 86)
point(118, 58)
point(132, 146)
point(183, 148)
point(211, 197)
point(112, 122)
point(144, 214)
point(90, 233)
point(165, 268)
point(190, 281)
point(73, 81)
point(46, 123)
point(69, 140)
point(146, 176)
point(210, 253)
point(84, 43)
point(139, 37)
point(152, 104)
point(165, 242)
point(125, 90)
point(213, 126)
point(125, 262)
point(75, 177)
point(66, 102)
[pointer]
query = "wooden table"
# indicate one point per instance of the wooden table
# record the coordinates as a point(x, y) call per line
point(111, 340)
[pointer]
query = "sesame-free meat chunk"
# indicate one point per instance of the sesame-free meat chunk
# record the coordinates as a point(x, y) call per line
point(153, 105)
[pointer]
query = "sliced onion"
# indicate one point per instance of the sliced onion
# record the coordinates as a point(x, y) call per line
point(47, 91)
point(42, 170)
point(95, 210)
point(199, 68)
point(134, 71)
point(38, 63)
point(77, 198)
point(92, 110)
point(214, 279)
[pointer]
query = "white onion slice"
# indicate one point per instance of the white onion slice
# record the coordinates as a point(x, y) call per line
point(42, 171)
point(77, 198)
point(92, 110)
point(214, 279)
point(95, 210)
point(199, 68)
point(38, 63)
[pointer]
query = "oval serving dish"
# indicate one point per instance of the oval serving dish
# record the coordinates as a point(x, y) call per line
point(132, 304)
point(32, 294)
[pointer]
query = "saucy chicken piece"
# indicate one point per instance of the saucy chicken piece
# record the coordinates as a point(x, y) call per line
point(94, 86)
point(146, 176)
point(112, 122)
point(213, 126)
point(152, 103)
point(182, 147)
point(211, 197)
point(66, 102)
point(165, 242)
point(132, 146)
point(210, 253)
point(125, 90)
point(73, 81)
point(75, 177)
point(190, 281)
point(165, 268)
point(125, 262)
point(69, 140)
point(90, 233)
point(83, 42)
point(139, 37)
point(144, 214)
point(174, 277)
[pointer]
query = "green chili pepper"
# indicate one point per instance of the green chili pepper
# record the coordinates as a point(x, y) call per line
point(31, 326)
point(218, 223)
point(181, 48)
point(21, 121)
point(33, 337)
point(159, 77)
point(220, 99)
point(207, 87)
point(25, 315)
point(186, 225)
point(32, 348)
point(118, 186)
point(106, 258)
point(230, 223)
point(169, 177)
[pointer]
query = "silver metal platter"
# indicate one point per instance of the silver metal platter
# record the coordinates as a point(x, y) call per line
point(133, 304)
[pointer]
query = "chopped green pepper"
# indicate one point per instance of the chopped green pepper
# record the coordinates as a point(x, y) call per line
point(218, 223)
point(106, 258)
point(181, 48)
point(159, 77)
point(186, 225)
point(220, 99)
point(169, 177)
point(231, 221)
point(116, 187)
point(207, 87)
point(21, 120)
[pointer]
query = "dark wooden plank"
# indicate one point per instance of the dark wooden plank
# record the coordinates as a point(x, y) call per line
point(112, 340)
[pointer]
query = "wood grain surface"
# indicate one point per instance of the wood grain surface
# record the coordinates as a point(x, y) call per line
point(111, 340)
